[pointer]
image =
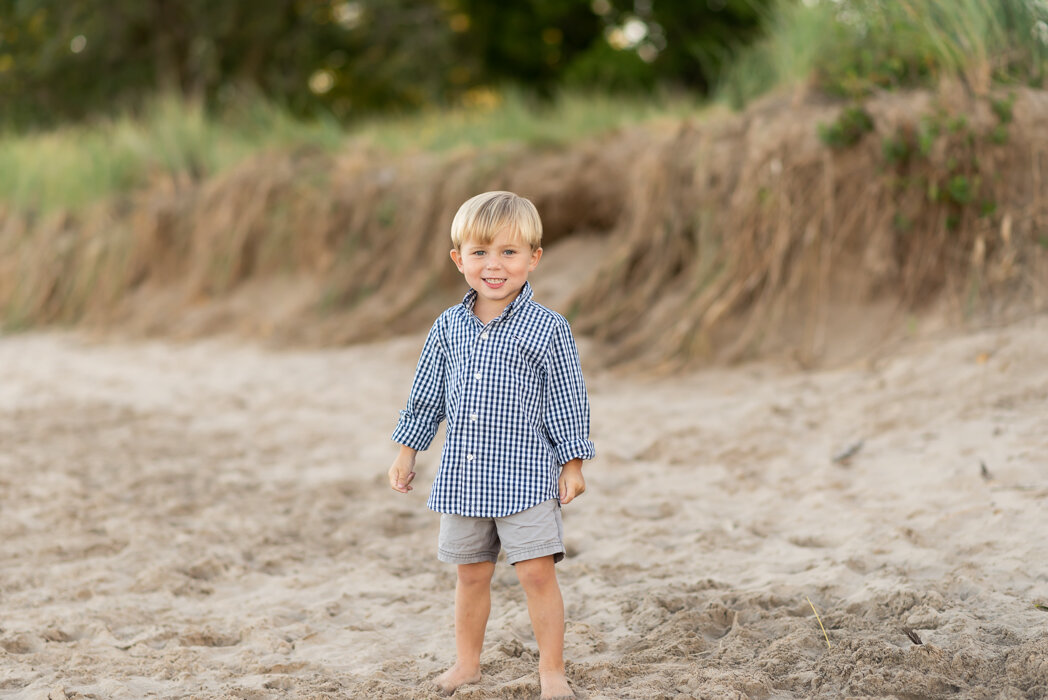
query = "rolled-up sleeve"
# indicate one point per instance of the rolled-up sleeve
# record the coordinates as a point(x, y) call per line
point(567, 415)
point(425, 409)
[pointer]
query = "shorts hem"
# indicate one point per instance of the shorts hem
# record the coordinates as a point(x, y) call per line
point(542, 550)
point(454, 558)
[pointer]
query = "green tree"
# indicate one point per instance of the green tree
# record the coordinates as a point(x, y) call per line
point(68, 59)
point(604, 44)
point(65, 60)
point(528, 43)
point(696, 40)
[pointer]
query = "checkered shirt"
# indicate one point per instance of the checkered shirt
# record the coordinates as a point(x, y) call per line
point(515, 403)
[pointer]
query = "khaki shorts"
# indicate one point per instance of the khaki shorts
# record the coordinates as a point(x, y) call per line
point(529, 534)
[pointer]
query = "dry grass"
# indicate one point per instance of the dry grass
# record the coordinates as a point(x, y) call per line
point(754, 236)
point(725, 240)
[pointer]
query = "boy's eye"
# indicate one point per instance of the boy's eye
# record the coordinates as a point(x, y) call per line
point(510, 252)
point(478, 252)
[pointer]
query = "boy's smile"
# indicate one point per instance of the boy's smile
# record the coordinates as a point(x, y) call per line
point(496, 270)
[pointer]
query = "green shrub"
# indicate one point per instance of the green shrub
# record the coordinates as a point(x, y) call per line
point(896, 149)
point(1002, 108)
point(960, 189)
point(847, 129)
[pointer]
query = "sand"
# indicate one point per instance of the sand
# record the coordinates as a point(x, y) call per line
point(212, 520)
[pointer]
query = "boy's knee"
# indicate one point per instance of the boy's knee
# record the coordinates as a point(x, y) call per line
point(476, 574)
point(536, 573)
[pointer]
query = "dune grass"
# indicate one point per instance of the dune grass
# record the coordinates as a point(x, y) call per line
point(71, 167)
point(854, 47)
point(490, 117)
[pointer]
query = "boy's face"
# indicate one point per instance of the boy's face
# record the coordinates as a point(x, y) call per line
point(497, 270)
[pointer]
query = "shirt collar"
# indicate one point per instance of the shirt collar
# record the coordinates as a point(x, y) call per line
point(523, 297)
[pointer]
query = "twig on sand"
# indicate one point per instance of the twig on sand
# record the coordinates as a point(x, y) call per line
point(984, 472)
point(912, 635)
point(820, 621)
point(1041, 606)
point(845, 455)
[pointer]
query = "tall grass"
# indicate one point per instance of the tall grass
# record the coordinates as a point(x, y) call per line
point(853, 47)
point(490, 117)
point(71, 167)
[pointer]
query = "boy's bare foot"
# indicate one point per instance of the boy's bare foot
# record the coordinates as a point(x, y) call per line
point(555, 686)
point(456, 676)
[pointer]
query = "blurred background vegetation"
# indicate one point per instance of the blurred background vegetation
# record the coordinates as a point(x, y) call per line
point(345, 59)
point(121, 88)
point(126, 124)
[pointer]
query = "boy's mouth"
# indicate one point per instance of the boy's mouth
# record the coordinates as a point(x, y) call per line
point(495, 281)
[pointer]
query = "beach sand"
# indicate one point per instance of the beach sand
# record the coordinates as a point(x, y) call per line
point(212, 519)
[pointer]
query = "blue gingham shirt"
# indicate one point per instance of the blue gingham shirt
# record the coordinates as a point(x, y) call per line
point(515, 403)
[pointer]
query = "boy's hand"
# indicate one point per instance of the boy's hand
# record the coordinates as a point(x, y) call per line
point(403, 470)
point(571, 483)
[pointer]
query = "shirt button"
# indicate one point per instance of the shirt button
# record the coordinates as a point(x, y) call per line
point(477, 375)
point(484, 335)
point(473, 417)
point(469, 458)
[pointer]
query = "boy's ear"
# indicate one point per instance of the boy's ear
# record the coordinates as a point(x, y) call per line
point(535, 255)
point(457, 257)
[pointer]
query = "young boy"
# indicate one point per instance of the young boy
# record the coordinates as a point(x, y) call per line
point(504, 372)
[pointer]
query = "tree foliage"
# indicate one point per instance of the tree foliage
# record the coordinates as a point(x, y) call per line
point(62, 60)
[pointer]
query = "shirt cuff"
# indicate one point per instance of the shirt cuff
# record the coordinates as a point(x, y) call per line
point(413, 433)
point(574, 449)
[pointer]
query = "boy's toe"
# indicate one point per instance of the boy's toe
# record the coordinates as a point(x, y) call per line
point(434, 687)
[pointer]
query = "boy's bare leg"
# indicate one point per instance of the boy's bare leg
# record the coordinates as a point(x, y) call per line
point(472, 605)
point(546, 608)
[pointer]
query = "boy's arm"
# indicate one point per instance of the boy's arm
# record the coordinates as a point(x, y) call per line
point(566, 415)
point(403, 470)
point(425, 408)
point(571, 483)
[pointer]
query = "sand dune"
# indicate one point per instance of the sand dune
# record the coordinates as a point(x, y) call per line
point(212, 520)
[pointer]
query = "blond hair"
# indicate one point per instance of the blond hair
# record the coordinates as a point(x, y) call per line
point(484, 216)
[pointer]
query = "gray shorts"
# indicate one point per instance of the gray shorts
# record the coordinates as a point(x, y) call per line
point(529, 534)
